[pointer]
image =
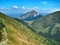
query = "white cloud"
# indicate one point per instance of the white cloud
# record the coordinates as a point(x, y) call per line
point(15, 7)
point(54, 10)
point(44, 2)
point(23, 7)
point(48, 10)
point(36, 7)
point(4, 8)
point(29, 9)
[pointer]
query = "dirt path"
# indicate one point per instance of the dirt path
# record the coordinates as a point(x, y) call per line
point(5, 41)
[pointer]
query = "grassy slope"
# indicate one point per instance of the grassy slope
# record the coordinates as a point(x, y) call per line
point(18, 34)
point(49, 25)
point(2, 35)
point(47, 20)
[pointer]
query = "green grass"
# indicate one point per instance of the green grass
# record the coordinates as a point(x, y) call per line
point(48, 26)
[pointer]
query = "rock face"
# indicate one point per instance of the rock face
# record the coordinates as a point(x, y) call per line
point(4, 42)
point(32, 15)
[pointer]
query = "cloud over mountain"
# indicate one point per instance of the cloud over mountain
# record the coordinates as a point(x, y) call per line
point(15, 6)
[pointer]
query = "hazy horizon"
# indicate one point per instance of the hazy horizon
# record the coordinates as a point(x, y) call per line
point(13, 7)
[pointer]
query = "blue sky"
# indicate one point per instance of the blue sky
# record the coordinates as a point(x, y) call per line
point(20, 6)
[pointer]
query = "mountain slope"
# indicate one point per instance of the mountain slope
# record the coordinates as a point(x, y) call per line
point(18, 34)
point(2, 34)
point(49, 25)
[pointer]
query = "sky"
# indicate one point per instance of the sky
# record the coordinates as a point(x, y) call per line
point(22, 6)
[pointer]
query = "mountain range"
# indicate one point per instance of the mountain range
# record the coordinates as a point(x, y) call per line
point(32, 15)
point(16, 33)
point(47, 26)
point(29, 17)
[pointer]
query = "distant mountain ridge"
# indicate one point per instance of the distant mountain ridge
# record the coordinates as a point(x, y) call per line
point(32, 15)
